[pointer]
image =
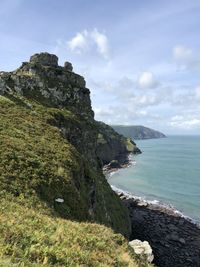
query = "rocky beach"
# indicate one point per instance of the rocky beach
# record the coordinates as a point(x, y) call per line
point(175, 239)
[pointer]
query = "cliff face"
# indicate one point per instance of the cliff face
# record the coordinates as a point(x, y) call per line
point(52, 145)
point(137, 132)
point(52, 189)
point(113, 146)
point(44, 81)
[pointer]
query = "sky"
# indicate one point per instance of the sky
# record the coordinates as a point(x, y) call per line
point(140, 59)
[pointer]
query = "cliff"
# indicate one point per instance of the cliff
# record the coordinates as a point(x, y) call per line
point(52, 186)
point(113, 146)
point(137, 132)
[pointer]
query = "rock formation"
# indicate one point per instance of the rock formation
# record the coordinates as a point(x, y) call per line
point(142, 248)
point(112, 146)
point(43, 80)
point(41, 87)
point(45, 59)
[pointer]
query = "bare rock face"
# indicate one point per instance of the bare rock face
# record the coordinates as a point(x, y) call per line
point(46, 82)
point(68, 66)
point(113, 146)
point(45, 59)
point(142, 248)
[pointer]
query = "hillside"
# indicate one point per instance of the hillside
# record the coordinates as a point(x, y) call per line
point(54, 196)
point(137, 132)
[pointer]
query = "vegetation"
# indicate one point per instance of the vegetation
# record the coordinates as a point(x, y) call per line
point(57, 208)
point(30, 236)
point(113, 146)
point(36, 160)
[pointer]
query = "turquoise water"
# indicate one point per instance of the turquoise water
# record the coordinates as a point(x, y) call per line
point(168, 170)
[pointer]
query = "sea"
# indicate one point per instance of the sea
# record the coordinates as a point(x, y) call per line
point(167, 172)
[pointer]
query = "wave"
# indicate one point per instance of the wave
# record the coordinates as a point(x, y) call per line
point(156, 203)
point(110, 173)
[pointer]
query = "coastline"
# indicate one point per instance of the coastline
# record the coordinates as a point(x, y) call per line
point(154, 205)
point(174, 237)
point(108, 169)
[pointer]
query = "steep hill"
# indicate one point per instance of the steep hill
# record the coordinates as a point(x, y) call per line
point(137, 132)
point(112, 146)
point(52, 188)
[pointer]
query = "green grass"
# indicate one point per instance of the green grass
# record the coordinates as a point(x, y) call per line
point(38, 165)
point(130, 145)
point(32, 237)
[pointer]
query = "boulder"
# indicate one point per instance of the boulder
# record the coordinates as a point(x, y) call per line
point(114, 164)
point(142, 248)
point(68, 66)
point(45, 59)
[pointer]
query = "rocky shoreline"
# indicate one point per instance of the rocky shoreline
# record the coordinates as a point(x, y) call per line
point(175, 240)
point(116, 165)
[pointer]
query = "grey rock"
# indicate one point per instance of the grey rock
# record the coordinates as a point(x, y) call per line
point(45, 59)
point(68, 66)
point(173, 243)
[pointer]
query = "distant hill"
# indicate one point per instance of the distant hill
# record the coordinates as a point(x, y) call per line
point(137, 132)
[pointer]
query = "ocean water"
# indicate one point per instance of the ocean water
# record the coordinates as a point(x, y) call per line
point(167, 171)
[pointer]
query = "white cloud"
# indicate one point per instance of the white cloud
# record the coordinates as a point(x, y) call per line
point(101, 41)
point(182, 54)
point(111, 115)
point(147, 80)
point(146, 100)
point(185, 57)
point(197, 93)
point(79, 42)
point(185, 122)
point(88, 40)
point(103, 112)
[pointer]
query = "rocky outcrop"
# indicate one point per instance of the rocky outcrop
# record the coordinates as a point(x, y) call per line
point(43, 80)
point(113, 146)
point(137, 132)
point(174, 239)
point(51, 98)
point(68, 66)
point(142, 248)
point(45, 59)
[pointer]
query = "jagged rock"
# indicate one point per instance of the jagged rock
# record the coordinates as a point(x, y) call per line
point(61, 103)
point(142, 203)
point(182, 240)
point(111, 145)
point(43, 80)
point(45, 59)
point(142, 248)
point(114, 164)
point(68, 66)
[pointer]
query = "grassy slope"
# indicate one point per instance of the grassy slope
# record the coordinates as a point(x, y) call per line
point(30, 236)
point(36, 166)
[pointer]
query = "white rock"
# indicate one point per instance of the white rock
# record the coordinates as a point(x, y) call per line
point(142, 204)
point(142, 248)
point(60, 200)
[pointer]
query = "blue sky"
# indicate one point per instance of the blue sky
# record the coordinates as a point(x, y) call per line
point(140, 59)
